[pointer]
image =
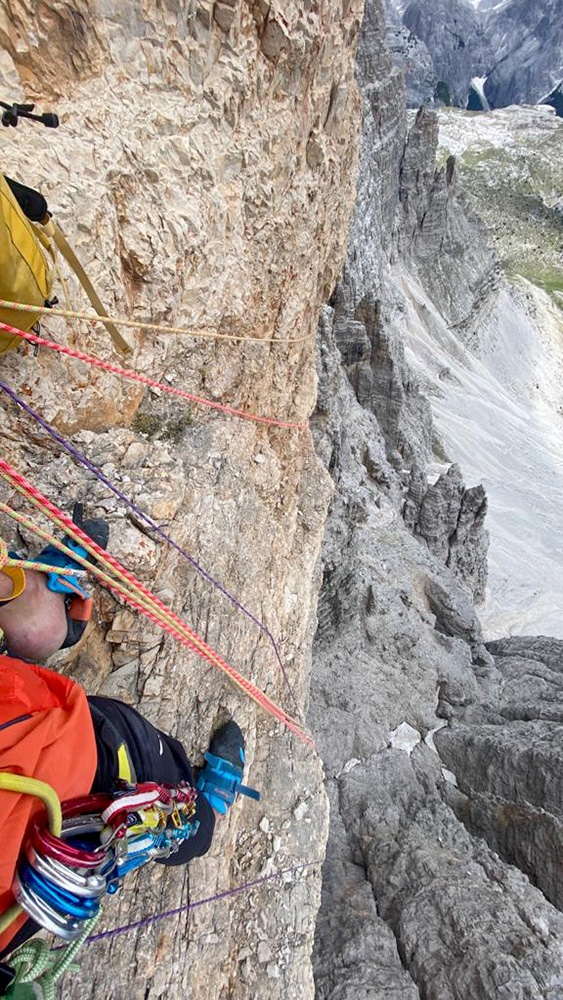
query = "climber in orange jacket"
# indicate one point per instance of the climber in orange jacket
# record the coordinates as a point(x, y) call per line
point(50, 730)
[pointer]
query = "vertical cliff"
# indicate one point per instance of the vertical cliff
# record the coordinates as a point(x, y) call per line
point(416, 900)
point(205, 172)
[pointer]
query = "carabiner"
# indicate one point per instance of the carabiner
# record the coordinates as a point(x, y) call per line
point(46, 916)
point(71, 879)
point(46, 844)
point(66, 903)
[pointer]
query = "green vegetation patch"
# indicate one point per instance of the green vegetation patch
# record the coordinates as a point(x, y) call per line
point(511, 168)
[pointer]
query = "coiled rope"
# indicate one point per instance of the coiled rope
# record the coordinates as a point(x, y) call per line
point(128, 373)
point(35, 962)
point(127, 586)
point(71, 450)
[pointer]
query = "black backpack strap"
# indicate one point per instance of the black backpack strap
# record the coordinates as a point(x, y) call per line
point(7, 976)
point(32, 204)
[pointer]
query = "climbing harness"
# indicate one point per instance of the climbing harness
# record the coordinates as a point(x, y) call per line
point(145, 380)
point(85, 462)
point(137, 324)
point(69, 581)
point(62, 573)
point(10, 561)
point(81, 851)
point(62, 879)
point(110, 572)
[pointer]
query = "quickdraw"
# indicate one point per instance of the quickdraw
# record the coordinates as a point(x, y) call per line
point(61, 880)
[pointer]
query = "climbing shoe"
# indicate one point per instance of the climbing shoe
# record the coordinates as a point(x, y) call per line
point(221, 776)
point(78, 603)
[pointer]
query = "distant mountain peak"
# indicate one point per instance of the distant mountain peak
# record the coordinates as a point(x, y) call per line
point(516, 46)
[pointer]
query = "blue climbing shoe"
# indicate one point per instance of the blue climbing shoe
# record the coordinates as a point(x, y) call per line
point(221, 776)
point(98, 530)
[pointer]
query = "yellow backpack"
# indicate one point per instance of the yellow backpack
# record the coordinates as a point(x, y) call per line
point(29, 239)
point(26, 266)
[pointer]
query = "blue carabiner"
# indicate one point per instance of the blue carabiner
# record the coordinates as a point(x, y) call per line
point(64, 902)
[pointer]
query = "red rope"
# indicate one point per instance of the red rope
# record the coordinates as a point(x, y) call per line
point(175, 630)
point(33, 338)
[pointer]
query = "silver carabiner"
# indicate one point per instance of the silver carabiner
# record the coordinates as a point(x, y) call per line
point(71, 879)
point(80, 825)
point(68, 928)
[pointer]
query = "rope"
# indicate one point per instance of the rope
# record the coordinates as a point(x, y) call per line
point(163, 618)
point(23, 785)
point(33, 338)
point(133, 591)
point(38, 567)
point(38, 789)
point(35, 962)
point(155, 527)
point(147, 921)
point(156, 327)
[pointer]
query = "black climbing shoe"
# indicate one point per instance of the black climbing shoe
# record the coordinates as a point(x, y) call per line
point(221, 777)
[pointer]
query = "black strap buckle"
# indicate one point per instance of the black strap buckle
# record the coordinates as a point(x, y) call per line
point(13, 112)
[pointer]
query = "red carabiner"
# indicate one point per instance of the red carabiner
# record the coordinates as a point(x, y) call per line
point(45, 843)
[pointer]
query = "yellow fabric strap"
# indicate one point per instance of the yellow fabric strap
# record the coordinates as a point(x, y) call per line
point(69, 255)
point(17, 576)
point(125, 767)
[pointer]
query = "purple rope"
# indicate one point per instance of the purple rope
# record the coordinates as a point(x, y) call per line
point(145, 921)
point(155, 527)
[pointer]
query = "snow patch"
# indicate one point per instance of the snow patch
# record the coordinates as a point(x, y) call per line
point(478, 84)
point(349, 766)
point(449, 776)
point(429, 738)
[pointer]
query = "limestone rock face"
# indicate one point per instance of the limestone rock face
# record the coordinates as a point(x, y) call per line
point(528, 38)
point(506, 754)
point(453, 34)
point(451, 520)
point(204, 171)
point(436, 840)
point(398, 655)
point(440, 237)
